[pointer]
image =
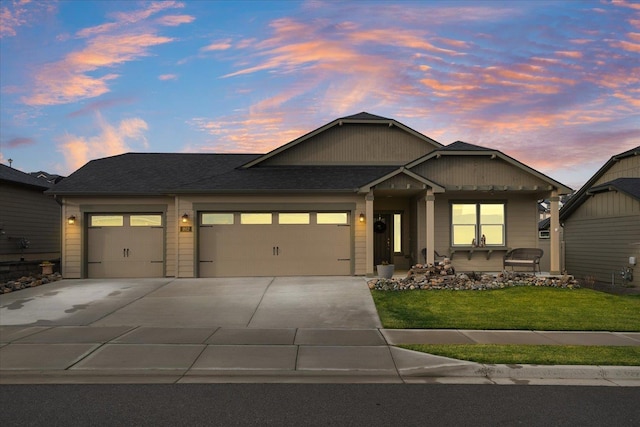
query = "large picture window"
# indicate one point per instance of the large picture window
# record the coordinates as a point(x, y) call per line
point(471, 221)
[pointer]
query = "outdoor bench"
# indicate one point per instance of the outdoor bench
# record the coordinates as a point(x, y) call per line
point(523, 257)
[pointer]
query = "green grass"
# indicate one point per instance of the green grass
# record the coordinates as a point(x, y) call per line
point(538, 308)
point(535, 354)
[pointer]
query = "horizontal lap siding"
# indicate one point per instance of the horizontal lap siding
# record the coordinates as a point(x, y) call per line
point(28, 213)
point(601, 236)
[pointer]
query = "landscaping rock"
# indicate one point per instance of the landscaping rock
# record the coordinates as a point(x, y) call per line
point(443, 277)
point(28, 282)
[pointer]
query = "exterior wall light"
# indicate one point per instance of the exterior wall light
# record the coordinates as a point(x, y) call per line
point(185, 218)
point(71, 220)
point(361, 219)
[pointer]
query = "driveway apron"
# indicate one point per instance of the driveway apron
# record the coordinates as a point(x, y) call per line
point(255, 302)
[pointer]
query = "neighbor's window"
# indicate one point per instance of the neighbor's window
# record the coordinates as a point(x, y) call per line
point(217, 219)
point(293, 218)
point(397, 232)
point(106, 221)
point(471, 221)
point(332, 218)
point(145, 220)
point(255, 218)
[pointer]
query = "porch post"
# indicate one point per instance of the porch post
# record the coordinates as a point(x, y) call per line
point(430, 238)
point(554, 232)
point(369, 233)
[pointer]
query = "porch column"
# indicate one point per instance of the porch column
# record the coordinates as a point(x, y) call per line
point(430, 238)
point(369, 233)
point(554, 232)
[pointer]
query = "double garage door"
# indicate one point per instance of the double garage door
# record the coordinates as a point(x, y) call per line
point(125, 245)
point(274, 244)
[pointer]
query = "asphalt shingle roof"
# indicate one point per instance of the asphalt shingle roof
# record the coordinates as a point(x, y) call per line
point(19, 177)
point(630, 186)
point(162, 173)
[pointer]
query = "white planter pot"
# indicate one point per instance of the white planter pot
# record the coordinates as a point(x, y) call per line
point(385, 271)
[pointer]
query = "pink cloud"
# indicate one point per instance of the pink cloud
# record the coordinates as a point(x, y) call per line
point(20, 141)
point(625, 45)
point(569, 54)
point(175, 20)
point(15, 14)
point(100, 105)
point(165, 77)
point(108, 45)
point(110, 140)
point(218, 45)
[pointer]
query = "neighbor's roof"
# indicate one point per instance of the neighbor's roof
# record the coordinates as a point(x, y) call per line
point(164, 173)
point(629, 186)
point(14, 175)
point(583, 193)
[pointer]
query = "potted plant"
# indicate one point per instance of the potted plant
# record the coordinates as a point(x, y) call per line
point(385, 270)
point(47, 267)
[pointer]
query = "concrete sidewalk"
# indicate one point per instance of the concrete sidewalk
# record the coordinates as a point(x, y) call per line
point(123, 354)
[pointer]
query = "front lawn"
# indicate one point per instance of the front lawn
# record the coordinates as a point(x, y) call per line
point(535, 354)
point(526, 308)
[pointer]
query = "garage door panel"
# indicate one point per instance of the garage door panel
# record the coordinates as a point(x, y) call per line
point(274, 250)
point(125, 251)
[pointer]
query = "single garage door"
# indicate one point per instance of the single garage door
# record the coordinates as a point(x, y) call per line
point(125, 245)
point(274, 244)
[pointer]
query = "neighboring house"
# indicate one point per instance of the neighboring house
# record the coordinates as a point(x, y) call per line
point(29, 220)
point(602, 222)
point(337, 201)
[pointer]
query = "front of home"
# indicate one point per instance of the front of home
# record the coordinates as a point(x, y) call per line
point(339, 200)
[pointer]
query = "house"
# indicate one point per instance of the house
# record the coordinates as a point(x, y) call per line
point(29, 220)
point(355, 192)
point(602, 222)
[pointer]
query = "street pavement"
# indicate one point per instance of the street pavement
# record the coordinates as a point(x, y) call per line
point(282, 329)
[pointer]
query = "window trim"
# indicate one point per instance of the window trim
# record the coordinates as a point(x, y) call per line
point(478, 224)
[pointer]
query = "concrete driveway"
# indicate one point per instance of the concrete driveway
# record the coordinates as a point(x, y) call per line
point(255, 302)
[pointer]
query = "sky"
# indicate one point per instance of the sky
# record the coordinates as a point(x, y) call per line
point(554, 84)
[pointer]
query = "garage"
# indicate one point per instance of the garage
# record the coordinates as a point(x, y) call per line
point(125, 245)
point(274, 244)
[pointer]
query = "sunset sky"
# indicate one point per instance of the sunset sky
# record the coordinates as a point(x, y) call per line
point(554, 84)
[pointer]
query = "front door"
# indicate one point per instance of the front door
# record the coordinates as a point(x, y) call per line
point(382, 238)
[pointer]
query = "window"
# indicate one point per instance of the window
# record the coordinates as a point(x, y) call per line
point(332, 218)
point(293, 218)
point(217, 219)
point(145, 220)
point(107, 221)
point(255, 218)
point(397, 232)
point(470, 222)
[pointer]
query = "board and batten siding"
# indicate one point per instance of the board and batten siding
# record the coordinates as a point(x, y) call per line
point(454, 171)
point(355, 144)
point(629, 167)
point(27, 213)
point(601, 235)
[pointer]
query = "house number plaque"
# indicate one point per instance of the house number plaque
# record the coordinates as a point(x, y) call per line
point(185, 229)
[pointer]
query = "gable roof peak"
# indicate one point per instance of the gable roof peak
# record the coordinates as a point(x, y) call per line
point(464, 146)
point(364, 116)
